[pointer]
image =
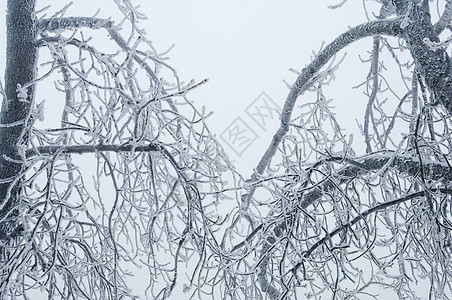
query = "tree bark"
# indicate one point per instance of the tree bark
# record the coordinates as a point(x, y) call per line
point(21, 56)
point(433, 63)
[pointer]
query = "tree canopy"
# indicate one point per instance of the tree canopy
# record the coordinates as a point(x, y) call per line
point(126, 181)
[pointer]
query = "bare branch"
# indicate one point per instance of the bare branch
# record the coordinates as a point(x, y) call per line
point(55, 24)
point(435, 65)
point(387, 27)
point(82, 149)
point(445, 18)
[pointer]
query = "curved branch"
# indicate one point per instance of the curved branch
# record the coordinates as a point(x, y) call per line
point(304, 81)
point(376, 161)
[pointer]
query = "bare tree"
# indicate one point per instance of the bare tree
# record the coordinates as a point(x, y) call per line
point(345, 220)
point(114, 183)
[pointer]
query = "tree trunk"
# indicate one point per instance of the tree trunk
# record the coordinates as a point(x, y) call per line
point(435, 65)
point(21, 56)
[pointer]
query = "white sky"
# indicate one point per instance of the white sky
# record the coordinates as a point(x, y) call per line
point(244, 48)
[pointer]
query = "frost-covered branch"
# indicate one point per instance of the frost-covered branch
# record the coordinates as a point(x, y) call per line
point(435, 65)
point(129, 176)
point(360, 217)
point(55, 24)
point(302, 83)
point(445, 18)
point(82, 149)
point(374, 79)
point(375, 209)
point(409, 165)
point(126, 181)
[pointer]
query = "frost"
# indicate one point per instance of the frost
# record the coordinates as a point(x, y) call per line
point(437, 45)
point(38, 112)
point(22, 93)
point(129, 176)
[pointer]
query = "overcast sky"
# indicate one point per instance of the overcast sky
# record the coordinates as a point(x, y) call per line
point(245, 48)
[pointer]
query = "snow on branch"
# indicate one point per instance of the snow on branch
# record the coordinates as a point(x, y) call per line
point(55, 24)
point(387, 27)
point(445, 18)
point(82, 149)
point(376, 162)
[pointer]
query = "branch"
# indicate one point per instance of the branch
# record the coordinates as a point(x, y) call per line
point(82, 149)
point(303, 82)
point(93, 23)
point(373, 95)
point(141, 61)
point(377, 161)
point(54, 24)
point(433, 62)
point(364, 214)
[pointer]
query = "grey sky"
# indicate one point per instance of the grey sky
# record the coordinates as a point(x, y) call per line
point(243, 47)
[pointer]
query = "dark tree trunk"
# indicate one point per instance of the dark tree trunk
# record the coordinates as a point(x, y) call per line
point(21, 57)
point(434, 65)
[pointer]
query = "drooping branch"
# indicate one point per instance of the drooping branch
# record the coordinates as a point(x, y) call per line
point(434, 171)
point(304, 81)
point(363, 215)
point(375, 162)
point(340, 198)
point(60, 229)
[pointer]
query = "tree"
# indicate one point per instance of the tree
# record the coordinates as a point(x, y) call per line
point(73, 233)
point(344, 221)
